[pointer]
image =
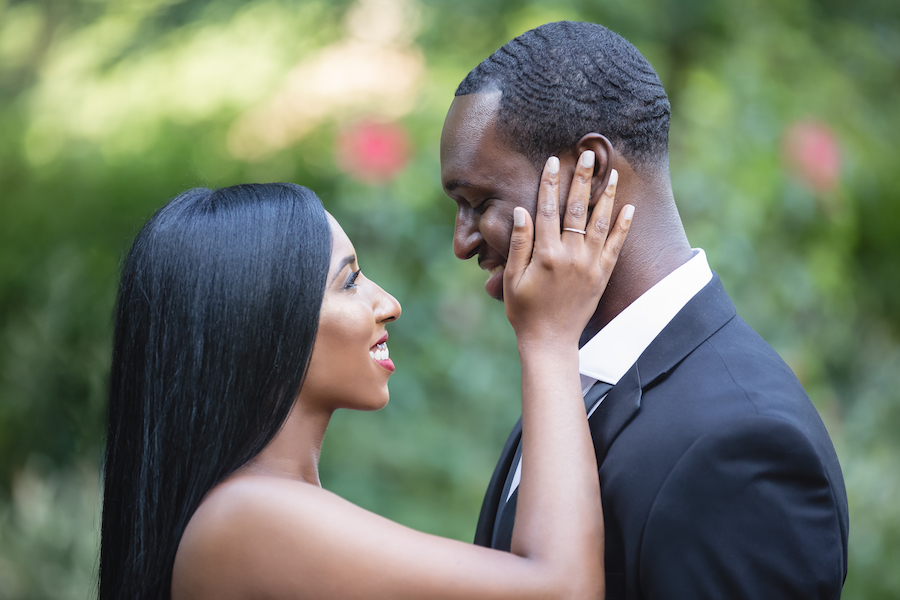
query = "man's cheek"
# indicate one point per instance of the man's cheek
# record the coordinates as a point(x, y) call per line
point(531, 201)
point(496, 228)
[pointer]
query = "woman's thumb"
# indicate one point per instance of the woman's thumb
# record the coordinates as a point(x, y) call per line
point(521, 245)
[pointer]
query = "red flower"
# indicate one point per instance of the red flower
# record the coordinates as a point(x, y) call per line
point(811, 151)
point(372, 152)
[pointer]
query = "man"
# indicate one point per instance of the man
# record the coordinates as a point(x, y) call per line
point(719, 479)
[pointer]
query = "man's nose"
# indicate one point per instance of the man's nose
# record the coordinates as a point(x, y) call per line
point(466, 236)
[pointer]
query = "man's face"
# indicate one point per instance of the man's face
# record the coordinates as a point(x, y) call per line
point(487, 180)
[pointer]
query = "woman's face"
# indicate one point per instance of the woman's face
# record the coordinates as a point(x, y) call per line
point(349, 367)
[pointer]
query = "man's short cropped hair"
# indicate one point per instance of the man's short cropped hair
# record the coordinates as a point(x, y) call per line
point(562, 80)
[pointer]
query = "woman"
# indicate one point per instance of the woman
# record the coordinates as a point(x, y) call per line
point(243, 322)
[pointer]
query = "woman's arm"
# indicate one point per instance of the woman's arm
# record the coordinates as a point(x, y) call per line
point(550, 294)
point(258, 536)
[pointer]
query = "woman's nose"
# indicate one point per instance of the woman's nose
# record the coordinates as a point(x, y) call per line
point(386, 306)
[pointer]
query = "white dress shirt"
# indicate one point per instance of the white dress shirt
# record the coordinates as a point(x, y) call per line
point(614, 349)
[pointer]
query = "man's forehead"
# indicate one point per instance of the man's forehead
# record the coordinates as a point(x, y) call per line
point(476, 110)
point(470, 115)
point(467, 135)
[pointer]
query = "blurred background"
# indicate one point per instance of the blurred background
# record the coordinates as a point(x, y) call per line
point(785, 163)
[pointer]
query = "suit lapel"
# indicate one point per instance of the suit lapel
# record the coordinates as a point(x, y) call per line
point(707, 312)
point(502, 538)
point(485, 529)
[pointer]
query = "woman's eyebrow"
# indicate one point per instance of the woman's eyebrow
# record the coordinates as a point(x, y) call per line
point(350, 258)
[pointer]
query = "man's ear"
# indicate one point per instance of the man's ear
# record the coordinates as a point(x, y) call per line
point(603, 153)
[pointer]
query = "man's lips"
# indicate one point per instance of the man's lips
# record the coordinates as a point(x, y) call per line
point(493, 262)
point(498, 269)
point(494, 284)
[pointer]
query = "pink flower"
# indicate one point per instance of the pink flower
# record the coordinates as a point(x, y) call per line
point(372, 152)
point(811, 151)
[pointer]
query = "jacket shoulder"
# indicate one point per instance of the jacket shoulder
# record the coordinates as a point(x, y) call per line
point(746, 512)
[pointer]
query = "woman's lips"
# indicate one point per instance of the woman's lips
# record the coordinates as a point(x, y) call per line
point(494, 284)
point(381, 355)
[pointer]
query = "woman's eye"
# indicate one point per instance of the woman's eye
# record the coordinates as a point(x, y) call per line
point(351, 282)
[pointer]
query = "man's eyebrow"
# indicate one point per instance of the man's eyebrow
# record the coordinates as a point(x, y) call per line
point(350, 258)
point(457, 183)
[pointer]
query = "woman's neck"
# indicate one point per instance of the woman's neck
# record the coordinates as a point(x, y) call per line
point(294, 451)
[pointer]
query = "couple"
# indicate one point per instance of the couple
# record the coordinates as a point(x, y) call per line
point(243, 321)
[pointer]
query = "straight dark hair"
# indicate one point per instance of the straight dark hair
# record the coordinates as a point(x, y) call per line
point(215, 322)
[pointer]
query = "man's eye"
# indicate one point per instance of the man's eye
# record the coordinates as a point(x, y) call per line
point(481, 208)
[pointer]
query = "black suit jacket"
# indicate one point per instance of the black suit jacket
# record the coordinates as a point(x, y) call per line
point(719, 479)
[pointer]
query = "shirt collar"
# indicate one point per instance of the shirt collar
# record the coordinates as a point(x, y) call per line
point(614, 349)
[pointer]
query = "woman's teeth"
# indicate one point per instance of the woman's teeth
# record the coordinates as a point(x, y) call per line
point(495, 270)
point(380, 352)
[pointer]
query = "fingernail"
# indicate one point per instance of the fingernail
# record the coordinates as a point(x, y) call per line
point(629, 211)
point(587, 159)
point(553, 165)
point(519, 216)
point(613, 177)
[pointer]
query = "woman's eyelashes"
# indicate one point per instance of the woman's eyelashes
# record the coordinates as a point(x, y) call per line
point(351, 281)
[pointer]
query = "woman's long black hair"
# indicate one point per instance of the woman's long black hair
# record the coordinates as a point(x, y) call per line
point(215, 323)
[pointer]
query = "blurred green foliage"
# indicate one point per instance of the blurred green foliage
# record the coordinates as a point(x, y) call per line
point(108, 109)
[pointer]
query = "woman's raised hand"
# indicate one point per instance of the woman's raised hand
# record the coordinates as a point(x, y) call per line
point(554, 279)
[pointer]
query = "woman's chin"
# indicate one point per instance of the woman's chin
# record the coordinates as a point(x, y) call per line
point(370, 404)
point(381, 403)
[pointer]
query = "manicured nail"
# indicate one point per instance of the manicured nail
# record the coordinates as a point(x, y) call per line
point(587, 159)
point(629, 212)
point(613, 177)
point(519, 216)
point(553, 165)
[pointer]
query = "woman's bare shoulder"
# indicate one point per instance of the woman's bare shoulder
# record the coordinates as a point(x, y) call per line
point(239, 535)
point(264, 537)
point(252, 497)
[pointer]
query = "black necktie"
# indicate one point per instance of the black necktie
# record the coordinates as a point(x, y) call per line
point(507, 510)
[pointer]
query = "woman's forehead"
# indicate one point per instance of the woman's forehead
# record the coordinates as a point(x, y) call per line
point(341, 245)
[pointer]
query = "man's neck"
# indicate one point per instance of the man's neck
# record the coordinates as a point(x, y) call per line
point(656, 246)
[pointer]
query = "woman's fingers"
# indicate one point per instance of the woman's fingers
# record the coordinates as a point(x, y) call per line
point(542, 236)
point(527, 235)
point(546, 222)
point(554, 279)
point(521, 246)
point(576, 215)
point(601, 217)
point(599, 237)
point(616, 239)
